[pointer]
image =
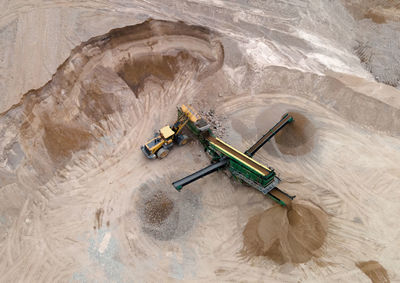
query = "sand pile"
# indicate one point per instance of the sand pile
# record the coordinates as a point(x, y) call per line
point(297, 138)
point(374, 271)
point(286, 235)
point(155, 67)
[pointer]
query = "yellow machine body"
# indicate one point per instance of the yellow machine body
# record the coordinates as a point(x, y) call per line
point(168, 134)
point(190, 113)
point(155, 144)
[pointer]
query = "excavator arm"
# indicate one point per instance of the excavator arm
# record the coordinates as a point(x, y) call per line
point(185, 114)
point(180, 124)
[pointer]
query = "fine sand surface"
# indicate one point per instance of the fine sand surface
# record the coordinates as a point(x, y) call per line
point(80, 202)
point(293, 234)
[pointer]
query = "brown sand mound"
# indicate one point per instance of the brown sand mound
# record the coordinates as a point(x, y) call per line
point(374, 271)
point(297, 138)
point(161, 68)
point(286, 235)
point(158, 208)
point(61, 141)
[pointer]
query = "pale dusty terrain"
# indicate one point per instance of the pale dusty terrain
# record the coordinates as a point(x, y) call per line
point(76, 191)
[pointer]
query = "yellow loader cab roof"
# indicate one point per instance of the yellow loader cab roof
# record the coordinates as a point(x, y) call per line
point(166, 132)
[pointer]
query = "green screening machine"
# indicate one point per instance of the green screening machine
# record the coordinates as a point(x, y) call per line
point(242, 165)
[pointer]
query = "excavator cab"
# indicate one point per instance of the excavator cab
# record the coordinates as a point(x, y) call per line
point(167, 134)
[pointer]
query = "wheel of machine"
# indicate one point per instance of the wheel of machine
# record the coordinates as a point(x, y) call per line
point(162, 153)
point(183, 139)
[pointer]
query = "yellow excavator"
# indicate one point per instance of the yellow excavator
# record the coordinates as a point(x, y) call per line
point(159, 146)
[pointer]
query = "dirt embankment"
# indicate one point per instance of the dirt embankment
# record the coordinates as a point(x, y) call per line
point(100, 89)
point(286, 235)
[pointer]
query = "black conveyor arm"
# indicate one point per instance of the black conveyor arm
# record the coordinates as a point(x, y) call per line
point(199, 174)
point(286, 119)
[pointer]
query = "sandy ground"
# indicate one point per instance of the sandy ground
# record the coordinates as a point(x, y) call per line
point(80, 202)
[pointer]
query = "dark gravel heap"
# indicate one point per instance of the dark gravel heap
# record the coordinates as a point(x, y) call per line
point(166, 214)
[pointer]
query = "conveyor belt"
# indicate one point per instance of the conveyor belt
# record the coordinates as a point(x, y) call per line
point(277, 193)
point(265, 138)
point(230, 151)
point(199, 174)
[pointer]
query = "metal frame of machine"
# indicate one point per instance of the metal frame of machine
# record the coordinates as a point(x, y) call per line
point(242, 166)
point(159, 146)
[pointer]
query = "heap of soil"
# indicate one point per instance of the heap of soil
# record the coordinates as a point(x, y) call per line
point(158, 208)
point(374, 271)
point(296, 138)
point(285, 235)
point(156, 67)
point(61, 140)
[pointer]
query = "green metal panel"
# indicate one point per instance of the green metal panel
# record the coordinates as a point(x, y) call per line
point(234, 163)
point(235, 159)
point(251, 174)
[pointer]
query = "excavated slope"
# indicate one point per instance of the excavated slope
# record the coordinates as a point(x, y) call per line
point(80, 202)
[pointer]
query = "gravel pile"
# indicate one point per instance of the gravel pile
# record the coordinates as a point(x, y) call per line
point(216, 122)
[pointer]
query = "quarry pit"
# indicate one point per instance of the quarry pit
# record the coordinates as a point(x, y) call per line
point(80, 202)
